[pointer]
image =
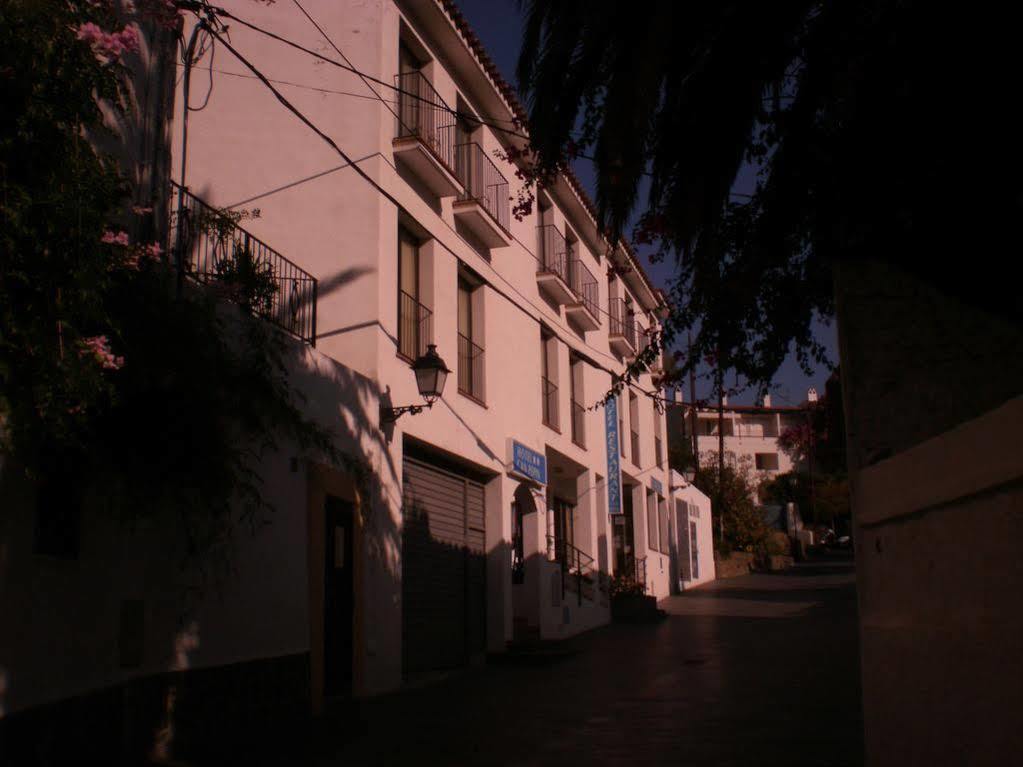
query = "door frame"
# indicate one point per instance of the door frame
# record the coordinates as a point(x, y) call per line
point(321, 482)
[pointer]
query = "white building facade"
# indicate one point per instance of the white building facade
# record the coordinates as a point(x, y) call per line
point(497, 514)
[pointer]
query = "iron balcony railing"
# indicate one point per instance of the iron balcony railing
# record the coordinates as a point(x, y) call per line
point(583, 285)
point(553, 252)
point(215, 251)
point(634, 448)
point(423, 114)
point(483, 182)
point(578, 424)
point(549, 395)
point(470, 368)
point(415, 327)
point(622, 321)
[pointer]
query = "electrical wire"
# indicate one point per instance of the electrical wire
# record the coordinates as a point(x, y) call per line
point(390, 198)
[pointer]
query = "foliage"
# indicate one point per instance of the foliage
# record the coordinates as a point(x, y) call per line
point(142, 402)
point(625, 584)
point(830, 496)
point(734, 507)
point(841, 109)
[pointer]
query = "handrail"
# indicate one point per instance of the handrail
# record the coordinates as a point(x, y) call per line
point(553, 249)
point(584, 285)
point(483, 182)
point(622, 321)
point(574, 562)
point(470, 367)
point(415, 327)
point(213, 250)
point(422, 113)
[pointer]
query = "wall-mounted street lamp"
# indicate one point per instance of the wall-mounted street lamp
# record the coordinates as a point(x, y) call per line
point(431, 374)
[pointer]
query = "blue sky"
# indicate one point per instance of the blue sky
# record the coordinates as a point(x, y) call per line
point(498, 23)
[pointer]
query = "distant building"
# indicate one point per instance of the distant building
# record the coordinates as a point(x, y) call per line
point(750, 432)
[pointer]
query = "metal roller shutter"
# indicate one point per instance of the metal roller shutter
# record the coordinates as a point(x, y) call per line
point(443, 568)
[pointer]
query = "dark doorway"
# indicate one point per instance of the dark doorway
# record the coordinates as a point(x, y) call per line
point(338, 601)
point(623, 536)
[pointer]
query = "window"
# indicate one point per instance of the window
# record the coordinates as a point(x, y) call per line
point(662, 518)
point(634, 426)
point(548, 370)
point(470, 351)
point(652, 540)
point(415, 321)
point(575, 371)
point(658, 442)
point(767, 461)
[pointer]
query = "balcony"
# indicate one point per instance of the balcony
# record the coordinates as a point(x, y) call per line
point(425, 134)
point(215, 251)
point(578, 424)
point(583, 307)
point(552, 264)
point(482, 205)
point(622, 328)
point(549, 397)
point(470, 368)
point(415, 327)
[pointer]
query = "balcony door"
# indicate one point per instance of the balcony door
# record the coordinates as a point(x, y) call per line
point(410, 342)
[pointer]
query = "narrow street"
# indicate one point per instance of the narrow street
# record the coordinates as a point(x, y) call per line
point(757, 670)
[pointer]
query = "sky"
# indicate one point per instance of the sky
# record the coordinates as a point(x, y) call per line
point(498, 23)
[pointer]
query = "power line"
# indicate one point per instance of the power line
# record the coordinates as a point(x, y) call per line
point(387, 195)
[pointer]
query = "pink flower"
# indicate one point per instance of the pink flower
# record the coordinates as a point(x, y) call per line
point(99, 348)
point(154, 250)
point(120, 238)
point(108, 46)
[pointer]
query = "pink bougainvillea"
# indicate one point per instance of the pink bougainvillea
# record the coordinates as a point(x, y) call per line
point(108, 46)
point(115, 238)
point(99, 348)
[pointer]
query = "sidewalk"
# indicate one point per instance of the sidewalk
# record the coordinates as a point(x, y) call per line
point(757, 670)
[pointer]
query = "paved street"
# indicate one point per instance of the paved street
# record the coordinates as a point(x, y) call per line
point(758, 670)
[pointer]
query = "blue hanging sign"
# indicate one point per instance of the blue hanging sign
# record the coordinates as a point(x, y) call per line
point(614, 473)
point(529, 463)
point(656, 486)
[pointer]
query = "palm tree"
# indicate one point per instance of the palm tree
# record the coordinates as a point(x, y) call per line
point(867, 123)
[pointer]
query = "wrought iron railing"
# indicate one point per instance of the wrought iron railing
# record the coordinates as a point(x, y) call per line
point(552, 258)
point(575, 563)
point(634, 448)
point(578, 424)
point(423, 114)
point(584, 286)
point(549, 395)
point(415, 327)
point(483, 182)
point(470, 368)
point(213, 250)
point(622, 321)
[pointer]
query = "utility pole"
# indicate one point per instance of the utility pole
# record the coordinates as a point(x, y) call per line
point(692, 408)
point(719, 376)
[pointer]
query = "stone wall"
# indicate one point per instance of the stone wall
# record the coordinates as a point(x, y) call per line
point(738, 563)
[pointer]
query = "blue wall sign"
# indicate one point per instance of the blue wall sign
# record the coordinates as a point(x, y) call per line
point(529, 463)
point(656, 486)
point(614, 473)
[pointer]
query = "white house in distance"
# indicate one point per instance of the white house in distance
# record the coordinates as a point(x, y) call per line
point(497, 514)
point(694, 531)
point(750, 431)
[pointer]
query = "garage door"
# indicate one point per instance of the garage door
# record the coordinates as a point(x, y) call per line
point(443, 567)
